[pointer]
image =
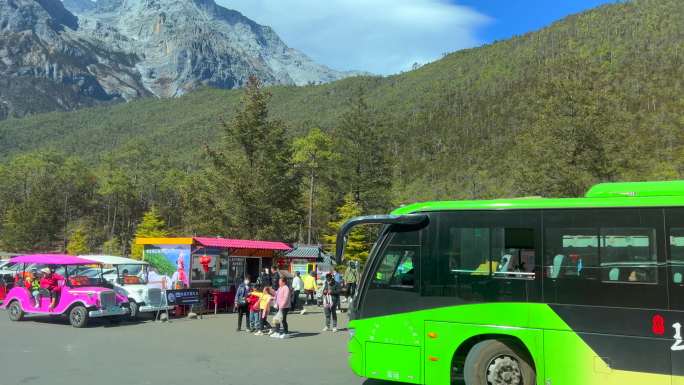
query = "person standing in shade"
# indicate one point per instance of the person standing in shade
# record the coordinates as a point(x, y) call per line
point(265, 279)
point(241, 303)
point(283, 304)
point(275, 277)
point(331, 299)
point(297, 287)
point(351, 276)
point(340, 283)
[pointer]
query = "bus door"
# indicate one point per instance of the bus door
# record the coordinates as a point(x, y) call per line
point(675, 262)
point(392, 350)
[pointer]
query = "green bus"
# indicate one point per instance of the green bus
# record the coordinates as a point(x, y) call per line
point(525, 291)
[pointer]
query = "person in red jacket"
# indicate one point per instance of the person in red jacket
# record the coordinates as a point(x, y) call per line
point(50, 282)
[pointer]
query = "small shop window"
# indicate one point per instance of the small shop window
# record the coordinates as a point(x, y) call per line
point(203, 267)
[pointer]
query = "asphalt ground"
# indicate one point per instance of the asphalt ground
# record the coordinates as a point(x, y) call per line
point(49, 351)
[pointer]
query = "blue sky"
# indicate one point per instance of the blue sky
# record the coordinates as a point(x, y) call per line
point(510, 18)
point(388, 36)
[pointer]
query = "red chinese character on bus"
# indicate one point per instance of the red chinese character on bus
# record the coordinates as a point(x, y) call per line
point(658, 325)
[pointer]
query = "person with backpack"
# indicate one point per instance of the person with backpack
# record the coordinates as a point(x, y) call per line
point(331, 299)
point(241, 302)
point(283, 301)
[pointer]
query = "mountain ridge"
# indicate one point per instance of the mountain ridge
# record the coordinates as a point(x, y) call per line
point(603, 86)
point(113, 50)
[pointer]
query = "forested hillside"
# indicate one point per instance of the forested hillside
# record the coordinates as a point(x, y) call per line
point(597, 96)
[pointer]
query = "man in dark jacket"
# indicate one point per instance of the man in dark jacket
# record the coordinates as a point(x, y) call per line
point(275, 277)
point(265, 279)
point(241, 302)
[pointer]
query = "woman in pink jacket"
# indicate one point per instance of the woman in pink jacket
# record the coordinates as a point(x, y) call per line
point(283, 304)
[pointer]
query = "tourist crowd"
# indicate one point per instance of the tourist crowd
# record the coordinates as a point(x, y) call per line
point(266, 303)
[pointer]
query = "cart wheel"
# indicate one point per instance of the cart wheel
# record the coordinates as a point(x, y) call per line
point(133, 307)
point(15, 311)
point(78, 316)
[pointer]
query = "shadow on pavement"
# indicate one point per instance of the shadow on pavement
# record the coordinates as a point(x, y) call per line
point(92, 323)
point(303, 335)
point(379, 382)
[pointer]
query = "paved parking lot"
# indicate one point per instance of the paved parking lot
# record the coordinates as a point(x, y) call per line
point(45, 351)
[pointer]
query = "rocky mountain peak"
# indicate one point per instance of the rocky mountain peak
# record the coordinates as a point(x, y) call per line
point(72, 53)
point(23, 15)
point(59, 16)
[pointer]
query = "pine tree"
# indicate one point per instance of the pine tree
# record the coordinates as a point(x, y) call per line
point(256, 184)
point(314, 154)
point(357, 246)
point(78, 242)
point(151, 226)
point(365, 156)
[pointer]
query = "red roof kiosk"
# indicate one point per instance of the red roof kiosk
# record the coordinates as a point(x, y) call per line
point(213, 265)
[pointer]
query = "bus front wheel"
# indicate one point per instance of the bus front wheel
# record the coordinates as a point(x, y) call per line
point(494, 362)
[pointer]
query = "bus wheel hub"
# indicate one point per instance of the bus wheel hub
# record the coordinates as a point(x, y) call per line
point(504, 370)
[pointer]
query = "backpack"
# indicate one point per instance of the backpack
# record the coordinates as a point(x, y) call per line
point(241, 294)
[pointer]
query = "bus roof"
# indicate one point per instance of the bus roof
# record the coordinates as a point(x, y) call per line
point(604, 195)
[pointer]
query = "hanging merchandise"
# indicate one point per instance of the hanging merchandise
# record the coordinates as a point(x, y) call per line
point(205, 260)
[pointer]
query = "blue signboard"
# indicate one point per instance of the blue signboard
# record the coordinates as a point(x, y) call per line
point(183, 297)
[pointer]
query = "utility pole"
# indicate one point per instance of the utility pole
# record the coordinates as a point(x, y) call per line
point(311, 192)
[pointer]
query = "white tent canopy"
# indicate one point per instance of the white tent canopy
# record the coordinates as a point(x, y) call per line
point(113, 260)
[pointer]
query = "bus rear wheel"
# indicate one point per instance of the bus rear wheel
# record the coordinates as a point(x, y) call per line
point(493, 362)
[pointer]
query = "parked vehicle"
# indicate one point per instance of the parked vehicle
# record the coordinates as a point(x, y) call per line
point(130, 279)
point(9, 269)
point(81, 297)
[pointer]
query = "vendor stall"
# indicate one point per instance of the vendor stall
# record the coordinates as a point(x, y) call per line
point(214, 265)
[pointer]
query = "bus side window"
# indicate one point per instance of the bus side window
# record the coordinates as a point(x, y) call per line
point(571, 253)
point(513, 250)
point(628, 255)
point(677, 255)
point(469, 251)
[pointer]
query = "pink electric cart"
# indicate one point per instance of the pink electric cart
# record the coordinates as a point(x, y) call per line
point(84, 293)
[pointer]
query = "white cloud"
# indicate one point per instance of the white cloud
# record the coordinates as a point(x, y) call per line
point(379, 36)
